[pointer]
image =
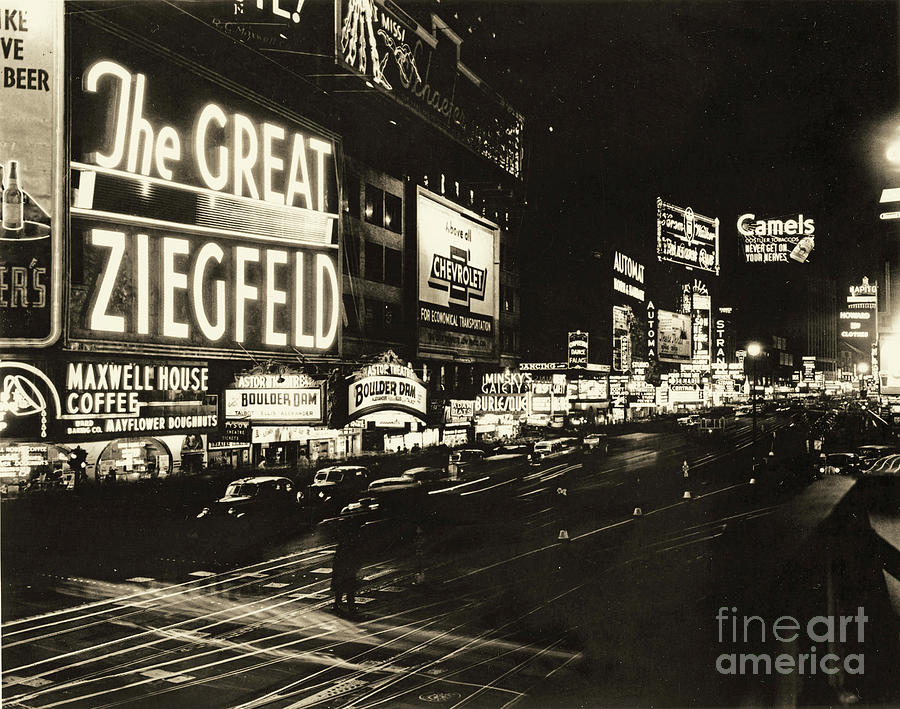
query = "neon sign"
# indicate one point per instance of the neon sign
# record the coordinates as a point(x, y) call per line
point(231, 152)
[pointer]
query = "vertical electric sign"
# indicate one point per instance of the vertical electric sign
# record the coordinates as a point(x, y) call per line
point(30, 173)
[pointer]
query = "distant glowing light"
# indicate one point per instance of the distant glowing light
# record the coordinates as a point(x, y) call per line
point(754, 349)
point(550, 129)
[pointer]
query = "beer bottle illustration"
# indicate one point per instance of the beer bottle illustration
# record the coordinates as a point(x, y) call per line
point(13, 202)
point(803, 248)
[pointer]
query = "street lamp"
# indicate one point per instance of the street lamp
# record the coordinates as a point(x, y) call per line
point(754, 349)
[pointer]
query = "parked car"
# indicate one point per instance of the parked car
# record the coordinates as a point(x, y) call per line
point(689, 421)
point(334, 487)
point(264, 497)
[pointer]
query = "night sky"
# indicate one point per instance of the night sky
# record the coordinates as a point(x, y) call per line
point(771, 108)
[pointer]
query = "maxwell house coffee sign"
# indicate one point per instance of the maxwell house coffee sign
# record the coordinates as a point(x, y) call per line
point(202, 221)
point(457, 281)
point(386, 386)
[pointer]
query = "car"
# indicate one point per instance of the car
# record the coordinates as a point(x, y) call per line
point(512, 449)
point(363, 507)
point(398, 495)
point(393, 484)
point(889, 465)
point(596, 443)
point(425, 474)
point(869, 454)
point(691, 420)
point(839, 464)
point(462, 458)
point(263, 496)
point(335, 486)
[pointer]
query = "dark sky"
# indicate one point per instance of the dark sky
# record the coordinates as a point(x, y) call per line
point(726, 107)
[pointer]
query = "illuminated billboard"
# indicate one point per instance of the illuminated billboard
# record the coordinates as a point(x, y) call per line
point(203, 223)
point(31, 174)
point(457, 281)
point(776, 240)
point(420, 69)
point(673, 337)
point(687, 238)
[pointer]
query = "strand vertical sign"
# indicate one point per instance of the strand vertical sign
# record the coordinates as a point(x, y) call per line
point(30, 173)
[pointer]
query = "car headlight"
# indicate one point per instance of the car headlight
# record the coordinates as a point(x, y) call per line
point(821, 470)
point(321, 494)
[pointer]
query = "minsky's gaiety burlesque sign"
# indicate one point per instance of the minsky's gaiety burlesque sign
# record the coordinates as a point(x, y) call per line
point(687, 238)
point(457, 281)
point(201, 221)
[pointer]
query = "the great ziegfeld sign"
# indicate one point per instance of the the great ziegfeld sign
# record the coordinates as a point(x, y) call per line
point(202, 222)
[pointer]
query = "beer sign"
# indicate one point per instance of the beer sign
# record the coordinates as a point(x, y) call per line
point(30, 173)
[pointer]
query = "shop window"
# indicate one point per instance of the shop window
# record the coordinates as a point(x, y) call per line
point(374, 261)
point(351, 251)
point(393, 267)
point(393, 213)
point(353, 189)
point(374, 205)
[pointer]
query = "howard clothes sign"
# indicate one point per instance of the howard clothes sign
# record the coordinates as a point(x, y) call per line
point(200, 220)
point(386, 386)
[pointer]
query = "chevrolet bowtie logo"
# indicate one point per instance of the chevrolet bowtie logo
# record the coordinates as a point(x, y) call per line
point(454, 274)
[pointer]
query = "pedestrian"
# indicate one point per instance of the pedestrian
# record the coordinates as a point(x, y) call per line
point(346, 564)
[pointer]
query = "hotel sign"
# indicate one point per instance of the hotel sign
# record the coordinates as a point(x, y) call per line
point(687, 238)
point(201, 221)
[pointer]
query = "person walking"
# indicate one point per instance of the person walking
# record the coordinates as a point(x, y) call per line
point(346, 564)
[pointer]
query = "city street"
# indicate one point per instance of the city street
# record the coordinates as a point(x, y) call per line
point(455, 353)
point(505, 614)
